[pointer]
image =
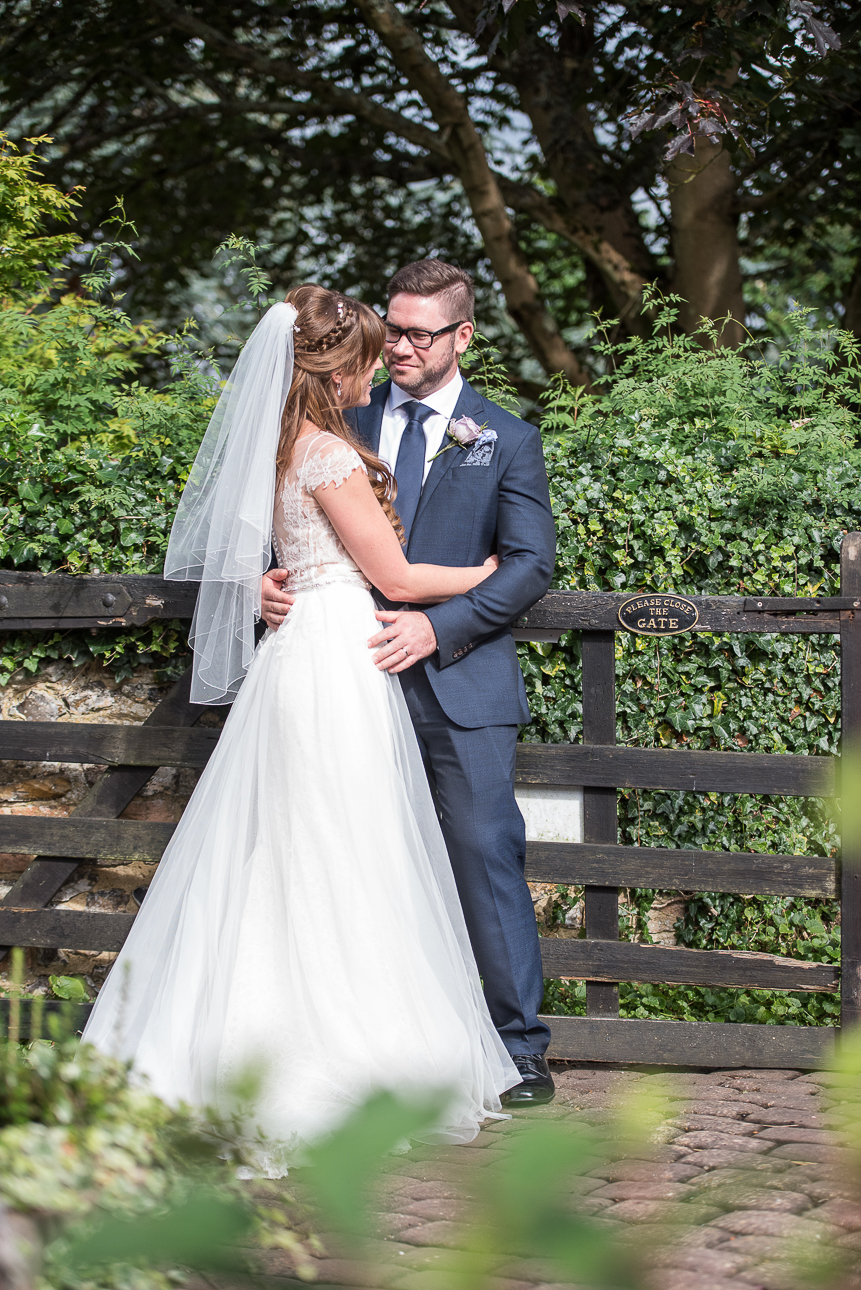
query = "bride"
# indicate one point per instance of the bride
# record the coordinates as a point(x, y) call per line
point(304, 919)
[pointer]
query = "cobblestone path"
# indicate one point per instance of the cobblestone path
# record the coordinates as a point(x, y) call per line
point(744, 1163)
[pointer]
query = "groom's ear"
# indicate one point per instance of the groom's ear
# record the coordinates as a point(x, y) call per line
point(463, 336)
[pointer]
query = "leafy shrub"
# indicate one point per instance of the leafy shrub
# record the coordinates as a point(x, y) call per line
point(712, 473)
point(82, 1145)
point(25, 206)
point(92, 459)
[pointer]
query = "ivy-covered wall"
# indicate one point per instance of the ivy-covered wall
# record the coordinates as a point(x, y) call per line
point(708, 472)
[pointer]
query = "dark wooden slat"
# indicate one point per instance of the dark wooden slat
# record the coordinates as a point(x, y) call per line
point(118, 841)
point(598, 611)
point(712, 1044)
point(62, 597)
point(850, 676)
point(786, 774)
point(799, 604)
point(597, 767)
point(601, 903)
point(627, 961)
point(68, 929)
point(73, 1017)
point(37, 600)
point(745, 872)
point(594, 766)
point(112, 745)
point(60, 600)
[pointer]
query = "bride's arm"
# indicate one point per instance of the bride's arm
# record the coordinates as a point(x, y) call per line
point(360, 523)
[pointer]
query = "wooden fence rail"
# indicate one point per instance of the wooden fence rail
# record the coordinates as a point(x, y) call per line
point(169, 738)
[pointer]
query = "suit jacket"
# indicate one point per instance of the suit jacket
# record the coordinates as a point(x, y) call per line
point(465, 514)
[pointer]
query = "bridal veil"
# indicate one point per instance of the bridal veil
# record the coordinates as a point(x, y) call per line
point(222, 533)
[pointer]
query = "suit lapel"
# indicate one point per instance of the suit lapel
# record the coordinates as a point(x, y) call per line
point(468, 405)
point(369, 419)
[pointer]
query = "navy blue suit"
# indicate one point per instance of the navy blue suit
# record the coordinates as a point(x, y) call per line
point(467, 699)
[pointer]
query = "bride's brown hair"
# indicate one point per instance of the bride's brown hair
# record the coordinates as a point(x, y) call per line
point(332, 333)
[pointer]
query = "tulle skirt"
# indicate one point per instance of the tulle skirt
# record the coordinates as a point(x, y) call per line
point(304, 920)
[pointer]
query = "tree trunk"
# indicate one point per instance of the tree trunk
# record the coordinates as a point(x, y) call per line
point(705, 241)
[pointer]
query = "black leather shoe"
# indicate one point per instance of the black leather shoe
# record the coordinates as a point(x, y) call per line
point(537, 1086)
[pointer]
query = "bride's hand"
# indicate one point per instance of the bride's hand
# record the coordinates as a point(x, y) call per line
point(491, 564)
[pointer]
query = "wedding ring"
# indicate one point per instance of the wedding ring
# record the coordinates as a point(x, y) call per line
point(406, 651)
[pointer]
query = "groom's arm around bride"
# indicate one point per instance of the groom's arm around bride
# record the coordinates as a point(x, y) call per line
point(467, 512)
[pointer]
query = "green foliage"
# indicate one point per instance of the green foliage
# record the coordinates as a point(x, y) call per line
point(69, 987)
point(92, 458)
point(114, 1179)
point(27, 253)
point(201, 1232)
point(481, 366)
point(240, 255)
point(348, 1160)
point(161, 645)
point(93, 462)
point(712, 473)
point(701, 1003)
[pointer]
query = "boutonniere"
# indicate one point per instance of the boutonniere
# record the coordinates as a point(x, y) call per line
point(466, 433)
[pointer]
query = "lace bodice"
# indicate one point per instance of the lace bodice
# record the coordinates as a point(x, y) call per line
point(305, 542)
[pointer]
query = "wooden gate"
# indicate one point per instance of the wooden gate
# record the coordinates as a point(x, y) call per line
point(168, 737)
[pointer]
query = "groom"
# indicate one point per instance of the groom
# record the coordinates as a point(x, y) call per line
point(457, 660)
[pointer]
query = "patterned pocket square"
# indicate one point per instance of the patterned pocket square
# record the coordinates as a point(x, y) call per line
point(479, 455)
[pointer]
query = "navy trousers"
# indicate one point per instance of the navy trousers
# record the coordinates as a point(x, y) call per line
point(471, 774)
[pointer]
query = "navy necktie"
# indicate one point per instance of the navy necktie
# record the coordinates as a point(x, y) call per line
point(410, 466)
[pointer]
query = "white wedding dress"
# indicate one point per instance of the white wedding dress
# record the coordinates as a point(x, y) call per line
point(304, 918)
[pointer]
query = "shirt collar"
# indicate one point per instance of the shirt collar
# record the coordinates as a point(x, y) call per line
point(443, 401)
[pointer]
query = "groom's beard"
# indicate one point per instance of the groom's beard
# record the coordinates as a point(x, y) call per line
point(428, 375)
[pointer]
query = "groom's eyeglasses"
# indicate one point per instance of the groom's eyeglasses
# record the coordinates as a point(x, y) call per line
point(418, 339)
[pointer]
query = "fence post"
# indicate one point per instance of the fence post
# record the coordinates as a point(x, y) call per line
point(599, 804)
point(850, 677)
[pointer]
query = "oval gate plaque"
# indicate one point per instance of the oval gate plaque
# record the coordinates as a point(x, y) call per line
point(651, 615)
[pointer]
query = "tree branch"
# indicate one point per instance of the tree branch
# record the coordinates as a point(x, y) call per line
point(286, 73)
point(548, 81)
point(627, 285)
point(451, 114)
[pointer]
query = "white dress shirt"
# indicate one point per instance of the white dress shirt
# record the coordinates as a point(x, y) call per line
point(395, 419)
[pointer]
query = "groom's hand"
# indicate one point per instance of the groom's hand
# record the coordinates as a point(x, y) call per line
point(405, 630)
point(275, 603)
